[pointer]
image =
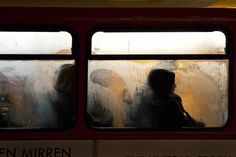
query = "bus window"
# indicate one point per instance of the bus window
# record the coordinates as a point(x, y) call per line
point(131, 43)
point(180, 80)
point(37, 77)
point(35, 42)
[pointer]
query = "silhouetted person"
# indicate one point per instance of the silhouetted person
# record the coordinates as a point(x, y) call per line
point(163, 109)
point(65, 88)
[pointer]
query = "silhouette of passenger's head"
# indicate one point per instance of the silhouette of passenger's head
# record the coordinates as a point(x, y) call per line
point(162, 82)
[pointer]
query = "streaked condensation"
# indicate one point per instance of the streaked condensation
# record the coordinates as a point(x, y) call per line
point(118, 87)
point(27, 93)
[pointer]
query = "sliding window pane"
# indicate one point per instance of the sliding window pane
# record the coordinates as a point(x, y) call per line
point(164, 43)
point(35, 42)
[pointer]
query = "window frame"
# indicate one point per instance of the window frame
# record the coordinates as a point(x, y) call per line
point(73, 56)
point(162, 28)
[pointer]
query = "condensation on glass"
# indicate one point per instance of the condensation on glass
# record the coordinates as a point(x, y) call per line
point(35, 42)
point(117, 88)
point(34, 94)
point(130, 43)
point(28, 93)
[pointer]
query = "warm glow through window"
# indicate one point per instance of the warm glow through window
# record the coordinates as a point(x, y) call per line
point(158, 43)
point(174, 80)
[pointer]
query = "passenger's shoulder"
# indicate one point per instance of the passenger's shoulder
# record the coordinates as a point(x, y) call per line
point(177, 98)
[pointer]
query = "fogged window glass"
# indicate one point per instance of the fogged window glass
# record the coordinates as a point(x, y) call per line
point(35, 43)
point(120, 94)
point(112, 43)
point(36, 94)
